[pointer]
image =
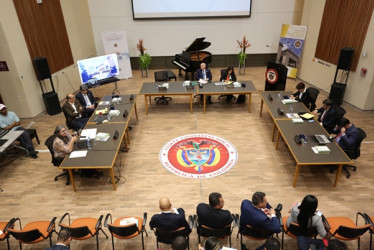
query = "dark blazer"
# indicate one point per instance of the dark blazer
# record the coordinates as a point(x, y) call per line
point(169, 221)
point(251, 215)
point(224, 76)
point(305, 98)
point(211, 217)
point(69, 111)
point(82, 101)
point(351, 139)
point(199, 74)
point(330, 120)
point(58, 247)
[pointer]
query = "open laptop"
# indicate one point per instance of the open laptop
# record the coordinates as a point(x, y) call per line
point(322, 139)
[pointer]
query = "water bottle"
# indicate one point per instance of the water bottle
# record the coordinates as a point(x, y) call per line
point(279, 95)
point(88, 142)
point(109, 117)
point(291, 108)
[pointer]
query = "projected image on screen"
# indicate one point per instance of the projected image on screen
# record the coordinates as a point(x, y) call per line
point(148, 9)
point(96, 69)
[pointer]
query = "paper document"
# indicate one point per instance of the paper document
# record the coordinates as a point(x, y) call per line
point(203, 81)
point(288, 101)
point(102, 111)
point(128, 221)
point(114, 113)
point(321, 149)
point(104, 103)
point(292, 115)
point(78, 154)
point(91, 132)
point(237, 84)
point(219, 83)
point(307, 116)
point(102, 136)
point(297, 120)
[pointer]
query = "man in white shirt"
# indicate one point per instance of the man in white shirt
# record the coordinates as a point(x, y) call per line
point(87, 100)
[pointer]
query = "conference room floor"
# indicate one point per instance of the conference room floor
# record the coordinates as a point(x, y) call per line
point(31, 194)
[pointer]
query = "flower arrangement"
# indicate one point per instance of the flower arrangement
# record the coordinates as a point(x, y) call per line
point(243, 45)
point(144, 58)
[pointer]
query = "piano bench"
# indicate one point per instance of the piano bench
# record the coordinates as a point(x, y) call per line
point(171, 75)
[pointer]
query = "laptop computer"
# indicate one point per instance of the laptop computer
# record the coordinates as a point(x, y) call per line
point(322, 139)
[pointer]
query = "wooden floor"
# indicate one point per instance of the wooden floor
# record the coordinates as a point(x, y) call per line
point(31, 194)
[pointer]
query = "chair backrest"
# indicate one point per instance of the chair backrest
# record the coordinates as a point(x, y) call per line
point(26, 236)
point(351, 233)
point(340, 112)
point(123, 231)
point(296, 230)
point(256, 233)
point(161, 76)
point(223, 72)
point(49, 144)
point(221, 233)
point(354, 154)
point(78, 232)
point(313, 94)
point(168, 236)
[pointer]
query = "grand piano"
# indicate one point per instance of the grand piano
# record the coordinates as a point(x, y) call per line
point(192, 57)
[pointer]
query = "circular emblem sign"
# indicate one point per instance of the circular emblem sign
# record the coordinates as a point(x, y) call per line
point(198, 156)
point(271, 76)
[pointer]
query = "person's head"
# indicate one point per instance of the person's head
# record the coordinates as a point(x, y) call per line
point(165, 204)
point(336, 244)
point(326, 104)
point(272, 244)
point(3, 109)
point(216, 201)
point(179, 243)
point(64, 236)
point(300, 86)
point(60, 130)
point(259, 200)
point(307, 209)
point(230, 69)
point(83, 88)
point(70, 98)
point(203, 66)
point(344, 123)
point(212, 243)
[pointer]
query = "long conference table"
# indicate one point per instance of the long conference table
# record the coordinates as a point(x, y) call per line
point(150, 89)
point(104, 153)
point(287, 129)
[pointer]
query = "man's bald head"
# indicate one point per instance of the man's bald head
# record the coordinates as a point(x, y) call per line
point(165, 204)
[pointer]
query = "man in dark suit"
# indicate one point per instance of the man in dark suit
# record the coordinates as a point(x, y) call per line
point(87, 100)
point(328, 117)
point(349, 136)
point(63, 240)
point(73, 111)
point(302, 95)
point(204, 74)
point(213, 215)
point(257, 213)
point(170, 218)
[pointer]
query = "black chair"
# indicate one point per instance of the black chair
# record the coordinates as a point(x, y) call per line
point(340, 112)
point(56, 161)
point(294, 230)
point(313, 94)
point(4, 226)
point(254, 233)
point(162, 76)
point(228, 97)
point(127, 231)
point(167, 237)
point(353, 154)
point(221, 233)
point(368, 221)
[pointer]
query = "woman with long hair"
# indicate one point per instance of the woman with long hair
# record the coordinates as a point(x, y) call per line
point(307, 216)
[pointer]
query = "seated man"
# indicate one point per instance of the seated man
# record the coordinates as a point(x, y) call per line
point(73, 113)
point(87, 100)
point(63, 240)
point(179, 243)
point(170, 218)
point(213, 215)
point(256, 214)
point(302, 95)
point(10, 121)
point(328, 117)
point(349, 136)
point(204, 74)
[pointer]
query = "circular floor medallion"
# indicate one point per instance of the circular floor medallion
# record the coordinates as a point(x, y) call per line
point(198, 156)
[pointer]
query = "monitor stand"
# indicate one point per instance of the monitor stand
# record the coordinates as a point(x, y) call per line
point(115, 89)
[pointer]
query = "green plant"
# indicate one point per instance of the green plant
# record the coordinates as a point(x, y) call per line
point(144, 60)
point(241, 57)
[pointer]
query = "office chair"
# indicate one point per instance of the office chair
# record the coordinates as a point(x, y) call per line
point(344, 228)
point(162, 76)
point(34, 232)
point(352, 154)
point(340, 112)
point(253, 233)
point(368, 221)
point(228, 97)
point(121, 230)
point(4, 226)
point(84, 228)
point(313, 94)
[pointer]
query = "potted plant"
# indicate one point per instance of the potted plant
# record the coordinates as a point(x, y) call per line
point(242, 56)
point(144, 58)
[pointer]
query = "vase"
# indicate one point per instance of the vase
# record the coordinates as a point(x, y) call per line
point(242, 67)
point(144, 72)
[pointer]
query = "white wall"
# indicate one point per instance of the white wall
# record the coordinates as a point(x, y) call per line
point(360, 89)
point(169, 37)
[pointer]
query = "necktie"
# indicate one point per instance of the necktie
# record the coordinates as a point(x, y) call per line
point(337, 139)
point(323, 114)
point(204, 75)
point(88, 103)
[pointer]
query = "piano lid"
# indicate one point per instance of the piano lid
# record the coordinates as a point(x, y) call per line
point(198, 44)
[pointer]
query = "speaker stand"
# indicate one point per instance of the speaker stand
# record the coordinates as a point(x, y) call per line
point(115, 89)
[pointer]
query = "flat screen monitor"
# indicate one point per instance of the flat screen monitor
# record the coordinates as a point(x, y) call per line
point(95, 69)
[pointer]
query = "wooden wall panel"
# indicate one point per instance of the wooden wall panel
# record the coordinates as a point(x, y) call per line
point(45, 33)
point(344, 24)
